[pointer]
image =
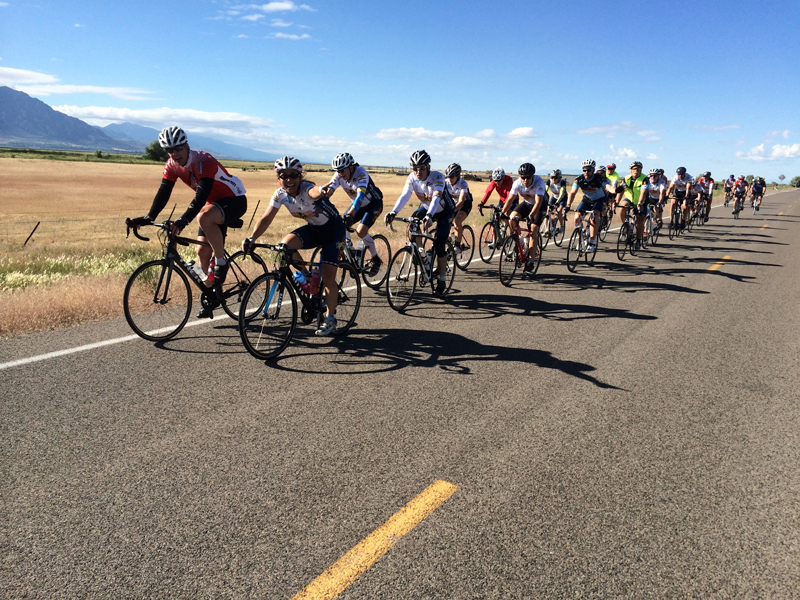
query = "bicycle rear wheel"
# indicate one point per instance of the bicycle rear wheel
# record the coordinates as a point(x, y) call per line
point(268, 316)
point(467, 248)
point(548, 230)
point(156, 304)
point(656, 232)
point(383, 256)
point(531, 271)
point(509, 261)
point(606, 225)
point(243, 270)
point(486, 243)
point(574, 250)
point(348, 284)
point(402, 279)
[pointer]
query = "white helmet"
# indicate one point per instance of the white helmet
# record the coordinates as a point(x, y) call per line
point(555, 173)
point(453, 170)
point(498, 174)
point(171, 136)
point(655, 172)
point(342, 161)
point(588, 163)
point(288, 162)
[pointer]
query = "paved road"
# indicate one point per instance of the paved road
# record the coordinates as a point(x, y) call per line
point(630, 430)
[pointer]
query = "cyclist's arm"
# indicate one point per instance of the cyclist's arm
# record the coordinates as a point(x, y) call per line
point(572, 193)
point(462, 196)
point(360, 195)
point(161, 199)
point(488, 192)
point(201, 195)
point(436, 199)
point(405, 196)
point(562, 193)
point(509, 202)
point(315, 193)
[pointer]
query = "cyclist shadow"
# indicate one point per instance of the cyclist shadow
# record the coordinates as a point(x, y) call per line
point(368, 351)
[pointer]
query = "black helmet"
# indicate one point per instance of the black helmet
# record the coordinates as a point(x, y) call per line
point(681, 171)
point(419, 158)
point(707, 174)
point(526, 170)
point(453, 170)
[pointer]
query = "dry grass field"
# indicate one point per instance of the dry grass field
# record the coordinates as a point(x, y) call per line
point(75, 266)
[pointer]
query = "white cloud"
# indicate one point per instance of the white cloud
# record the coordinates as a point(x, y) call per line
point(292, 36)
point(280, 23)
point(570, 157)
point(621, 126)
point(645, 132)
point(485, 133)
point(792, 151)
point(241, 36)
point(464, 141)
point(522, 132)
point(778, 133)
point(652, 138)
point(717, 128)
point(412, 133)
point(281, 7)
point(79, 25)
point(622, 152)
point(11, 77)
point(3, 4)
point(651, 156)
point(253, 17)
point(115, 92)
point(759, 153)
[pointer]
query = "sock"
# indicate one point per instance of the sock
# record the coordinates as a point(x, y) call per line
point(370, 244)
point(220, 261)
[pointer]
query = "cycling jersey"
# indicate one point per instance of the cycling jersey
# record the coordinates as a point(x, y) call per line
point(528, 193)
point(316, 212)
point(557, 191)
point(503, 189)
point(360, 182)
point(707, 185)
point(202, 165)
point(681, 183)
point(455, 190)
point(758, 188)
point(592, 188)
point(633, 188)
point(425, 191)
point(740, 187)
point(729, 183)
point(653, 190)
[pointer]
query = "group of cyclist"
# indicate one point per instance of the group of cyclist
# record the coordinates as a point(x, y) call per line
point(445, 201)
point(739, 188)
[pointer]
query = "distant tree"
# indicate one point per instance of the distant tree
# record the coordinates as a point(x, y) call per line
point(795, 181)
point(98, 153)
point(749, 179)
point(155, 152)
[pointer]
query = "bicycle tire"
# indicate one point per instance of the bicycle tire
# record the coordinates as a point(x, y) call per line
point(467, 248)
point(450, 273)
point(268, 318)
point(157, 320)
point(537, 260)
point(243, 270)
point(604, 229)
point(402, 279)
point(588, 257)
point(560, 231)
point(487, 237)
point(574, 250)
point(656, 232)
point(622, 242)
point(509, 261)
point(384, 253)
point(550, 230)
point(348, 284)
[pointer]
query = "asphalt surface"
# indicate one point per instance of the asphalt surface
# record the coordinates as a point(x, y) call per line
point(630, 430)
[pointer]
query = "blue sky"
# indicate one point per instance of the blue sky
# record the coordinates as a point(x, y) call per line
point(708, 85)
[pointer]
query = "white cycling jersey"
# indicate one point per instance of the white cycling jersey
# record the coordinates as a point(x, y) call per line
point(456, 190)
point(682, 183)
point(653, 189)
point(528, 193)
point(361, 180)
point(429, 192)
point(315, 212)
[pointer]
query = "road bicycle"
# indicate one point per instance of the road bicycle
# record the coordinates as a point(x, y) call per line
point(516, 252)
point(701, 211)
point(651, 227)
point(605, 221)
point(493, 234)
point(737, 205)
point(579, 243)
point(727, 197)
point(676, 220)
point(550, 227)
point(373, 271)
point(756, 203)
point(157, 300)
point(269, 312)
point(626, 240)
point(412, 265)
point(466, 249)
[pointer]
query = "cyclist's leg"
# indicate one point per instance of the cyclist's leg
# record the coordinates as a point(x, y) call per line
point(459, 225)
point(443, 220)
point(365, 218)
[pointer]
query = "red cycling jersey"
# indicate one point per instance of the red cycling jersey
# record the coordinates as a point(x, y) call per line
point(202, 165)
point(503, 189)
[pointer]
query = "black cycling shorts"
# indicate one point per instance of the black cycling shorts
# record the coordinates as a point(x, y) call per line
point(232, 209)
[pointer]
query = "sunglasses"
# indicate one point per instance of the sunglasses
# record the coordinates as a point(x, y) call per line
point(420, 168)
point(589, 170)
point(293, 175)
point(175, 149)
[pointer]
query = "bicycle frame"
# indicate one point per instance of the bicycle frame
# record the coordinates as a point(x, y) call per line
point(416, 250)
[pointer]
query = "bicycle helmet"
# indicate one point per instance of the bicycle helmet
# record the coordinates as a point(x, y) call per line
point(654, 172)
point(342, 161)
point(588, 163)
point(288, 162)
point(611, 167)
point(555, 173)
point(741, 177)
point(661, 171)
point(453, 170)
point(636, 164)
point(526, 170)
point(498, 174)
point(172, 136)
point(601, 169)
point(732, 176)
point(419, 158)
point(707, 174)
point(681, 171)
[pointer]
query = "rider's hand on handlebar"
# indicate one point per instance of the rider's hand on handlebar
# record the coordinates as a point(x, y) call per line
point(427, 221)
point(480, 209)
point(138, 221)
point(178, 226)
point(389, 218)
point(248, 244)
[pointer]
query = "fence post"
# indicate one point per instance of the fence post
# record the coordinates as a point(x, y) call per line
point(254, 214)
point(29, 237)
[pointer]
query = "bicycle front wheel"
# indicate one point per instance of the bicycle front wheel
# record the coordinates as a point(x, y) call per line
point(268, 316)
point(467, 248)
point(450, 272)
point(402, 278)
point(509, 261)
point(622, 241)
point(486, 243)
point(157, 301)
point(574, 249)
point(377, 268)
point(348, 284)
point(243, 270)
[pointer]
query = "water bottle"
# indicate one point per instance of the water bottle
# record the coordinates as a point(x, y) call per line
point(314, 281)
point(301, 281)
point(197, 270)
point(429, 257)
point(210, 278)
point(359, 252)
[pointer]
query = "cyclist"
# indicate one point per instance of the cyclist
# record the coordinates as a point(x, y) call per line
point(757, 191)
point(435, 205)
point(729, 182)
point(367, 202)
point(324, 228)
point(740, 193)
point(525, 202)
point(557, 197)
point(594, 187)
point(458, 189)
point(708, 192)
point(501, 183)
point(681, 184)
point(630, 198)
point(219, 199)
point(654, 188)
point(601, 170)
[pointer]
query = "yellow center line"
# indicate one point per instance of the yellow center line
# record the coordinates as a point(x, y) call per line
point(719, 264)
point(780, 213)
point(765, 226)
point(346, 570)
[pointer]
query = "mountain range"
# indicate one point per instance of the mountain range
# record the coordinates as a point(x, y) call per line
point(26, 122)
